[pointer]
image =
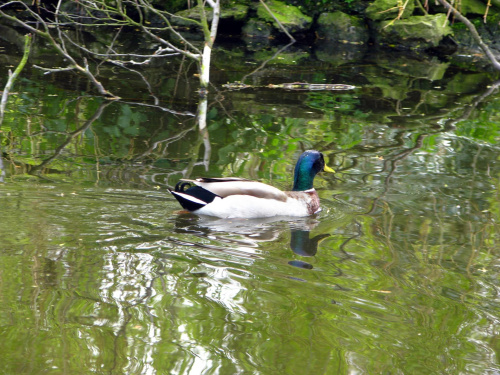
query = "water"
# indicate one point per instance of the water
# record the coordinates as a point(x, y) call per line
point(398, 274)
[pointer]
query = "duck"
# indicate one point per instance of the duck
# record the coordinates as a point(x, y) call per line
point(233, 197)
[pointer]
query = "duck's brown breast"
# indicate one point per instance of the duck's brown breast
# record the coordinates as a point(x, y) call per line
point(309, 197)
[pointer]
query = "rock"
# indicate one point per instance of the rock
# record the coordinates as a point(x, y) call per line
point(172, 6)
point(418, 32)
point(468, 52)
point(340, 27)
point(236, 12)
point(379, 10)
point(337, 53)
point(256, 28)
point(431, 69)
point(290, 16)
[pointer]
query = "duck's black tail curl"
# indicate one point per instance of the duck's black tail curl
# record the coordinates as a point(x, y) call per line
point(180, 187)
point(192, 198)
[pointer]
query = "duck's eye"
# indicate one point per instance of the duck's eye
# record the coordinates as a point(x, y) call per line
point(319, 163)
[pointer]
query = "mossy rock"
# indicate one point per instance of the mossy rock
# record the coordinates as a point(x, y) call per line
point(338, 26)
point(289, 16)
point(284, 58)
point(467, 7)
point(237, 12)
point(429, 69)
point(379, 10)
point(337, 53)
point(256, 28)
point(172, 6)
point(472, 7)
point(419, 32)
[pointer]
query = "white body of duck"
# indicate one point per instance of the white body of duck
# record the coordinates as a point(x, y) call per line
point(241, 198)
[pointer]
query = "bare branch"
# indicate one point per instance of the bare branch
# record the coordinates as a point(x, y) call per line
point(124, 19)
point(131, 13)
point(277, 21)
point(474, 33)
point(58, 46)
point(109, 55)
point(144, 79)
point(54, 70)
point(164, 109)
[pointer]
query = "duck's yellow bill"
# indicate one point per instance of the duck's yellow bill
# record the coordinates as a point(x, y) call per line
point(328, 169)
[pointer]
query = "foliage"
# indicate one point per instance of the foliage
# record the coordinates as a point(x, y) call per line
point(315, 7)
point(485, 126)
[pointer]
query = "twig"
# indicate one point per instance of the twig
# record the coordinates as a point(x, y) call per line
point(108, 55)
point(266, 61)
point(466, 114)
point(422, 8)
point(13, 76)
point(164, 109)
point(53, 70)
point(277, 21)
point(59, 46)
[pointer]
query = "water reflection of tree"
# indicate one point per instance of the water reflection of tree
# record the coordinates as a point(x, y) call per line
point(446, 228)
point(199, 294)
point(138, 163)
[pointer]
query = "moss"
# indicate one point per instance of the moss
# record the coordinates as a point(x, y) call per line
point(472, 7)
point(418, 31)
point(257, 28)
point(339, 26)
point(237, 12)
point(388, 10)
point(289, 16)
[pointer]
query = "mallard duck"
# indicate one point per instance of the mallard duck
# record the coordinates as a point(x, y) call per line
point(241, 198)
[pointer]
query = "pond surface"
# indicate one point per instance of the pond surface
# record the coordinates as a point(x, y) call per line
point(100, 272)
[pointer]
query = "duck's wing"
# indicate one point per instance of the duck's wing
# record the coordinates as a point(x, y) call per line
point(225, 187)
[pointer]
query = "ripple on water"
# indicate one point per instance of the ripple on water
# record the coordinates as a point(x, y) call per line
point(123, 268)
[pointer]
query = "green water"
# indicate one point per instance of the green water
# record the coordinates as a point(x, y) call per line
point(101, 273)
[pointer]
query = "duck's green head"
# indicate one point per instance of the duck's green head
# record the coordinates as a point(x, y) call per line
point(309, 164)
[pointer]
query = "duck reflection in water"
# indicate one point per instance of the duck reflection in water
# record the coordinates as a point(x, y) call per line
point(254, 231)
point(302, 244)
